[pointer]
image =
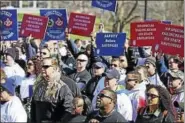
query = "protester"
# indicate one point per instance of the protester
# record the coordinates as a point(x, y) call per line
point(154, 79)
point(159, 106)
point(135, 91)
point(176, 86)
point(51, 95)
point(106, 112)
point(12, 69)
point(98, 70)
point(81, 76)
point(11, 107)
point(180, 111)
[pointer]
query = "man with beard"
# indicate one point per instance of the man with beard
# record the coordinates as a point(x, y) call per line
point(106, 112)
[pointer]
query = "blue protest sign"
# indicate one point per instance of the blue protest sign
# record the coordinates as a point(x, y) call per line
point(110, 44)
point(56, 25)
point(105, 4)
point(8, 25)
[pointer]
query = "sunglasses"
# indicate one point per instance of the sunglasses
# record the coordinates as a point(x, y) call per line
point(46, 66)
point(130, 80)
point(2, 89)
point(81, 60)
point(122, 60)
point(152, 95)
point(101, 95)
point(114, 65)
point(30, 64)
point(43, 53)
point(96, 67)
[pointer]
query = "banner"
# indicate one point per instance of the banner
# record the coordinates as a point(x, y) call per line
point(109, 5)
point(81, 24)
point(56, 25)
point(171, 39)
point(33, 25)
point(143, 33)
point(8, 25)
point(110, 44)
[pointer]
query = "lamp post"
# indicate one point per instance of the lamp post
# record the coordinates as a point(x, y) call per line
point(145, 10)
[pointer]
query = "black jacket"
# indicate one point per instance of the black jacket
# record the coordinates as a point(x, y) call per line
point(157, 117)
point(114, 117)
point(91, 86)
point(55, 107)
point(72, 85)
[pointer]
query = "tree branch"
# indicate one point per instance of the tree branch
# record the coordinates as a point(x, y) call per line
point(131, 11)
point(129, 20)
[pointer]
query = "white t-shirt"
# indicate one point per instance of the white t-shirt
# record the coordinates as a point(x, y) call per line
point(25, 86)
point(13, 111)
point(15, 72)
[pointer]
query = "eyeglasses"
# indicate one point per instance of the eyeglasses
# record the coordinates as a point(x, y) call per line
point(170, 62)
point(1, 89)
point(130, 80)
point(81, 60)
point(122, 60)
point(30, 64)
point(96, 67)
point(152, 95)
point(46, 66)
point(101, 95)
point(114, 65)
point(43, 53)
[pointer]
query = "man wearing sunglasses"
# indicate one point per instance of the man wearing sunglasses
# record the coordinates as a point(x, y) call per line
point(154, 79)
point(98, 70)
point(12, 109)
point(135, 91)
point(51, 95)
point(176, 86)
point(106, 102)
point(81, 76)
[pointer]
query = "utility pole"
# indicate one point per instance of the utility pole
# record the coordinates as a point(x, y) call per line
point(145, 10)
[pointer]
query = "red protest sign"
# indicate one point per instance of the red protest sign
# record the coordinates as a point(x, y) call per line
point(171, 39)
point(33, 25)
point(81, 24)
point(143, 33)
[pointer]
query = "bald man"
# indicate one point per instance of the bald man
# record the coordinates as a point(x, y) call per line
point(81, 76)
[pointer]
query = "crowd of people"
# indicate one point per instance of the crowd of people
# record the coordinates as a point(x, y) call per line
point(63, 81)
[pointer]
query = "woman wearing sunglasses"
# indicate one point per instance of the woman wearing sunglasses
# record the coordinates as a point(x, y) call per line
point(158, 108)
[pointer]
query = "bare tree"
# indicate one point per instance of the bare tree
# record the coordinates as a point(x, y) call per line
point(122, 18)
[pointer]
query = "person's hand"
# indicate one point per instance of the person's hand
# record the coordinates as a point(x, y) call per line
point(94, 121)
point(180, 117)
point(159, 55)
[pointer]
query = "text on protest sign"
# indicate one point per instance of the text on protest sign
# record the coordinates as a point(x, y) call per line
point(33, 25)
point(8, 25)
point(81, 24)
point(110, 44)
point(143, 33)
point(105, 4)
point(56, 25)
point(171, 39)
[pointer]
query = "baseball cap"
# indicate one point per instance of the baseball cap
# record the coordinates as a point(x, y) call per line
point(9, 86)
point(99, 64)
point(112, 73)
point(179, 74)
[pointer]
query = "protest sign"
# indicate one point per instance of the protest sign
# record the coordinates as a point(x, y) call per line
point(81, 24)
point(56, 25)
point(33, 25)
point(143, 33)
point(109, 5)
point(8, 25)
point(171, 39)
point(110, 44)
